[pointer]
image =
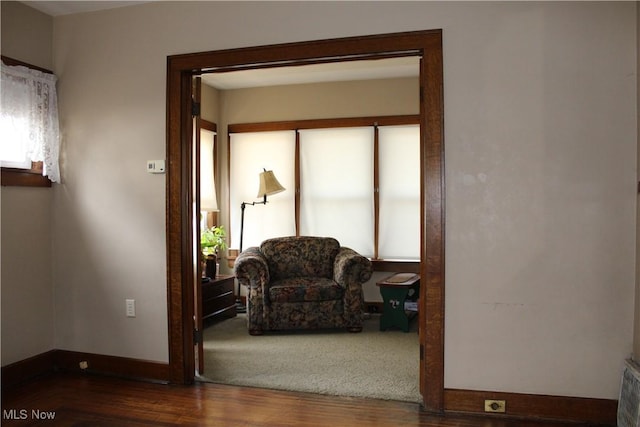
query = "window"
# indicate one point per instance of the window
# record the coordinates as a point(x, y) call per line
point(208, 194)
point(331, 174)
point(250, 154)
point(29, 131)
point(336, 186)
point(399, 189)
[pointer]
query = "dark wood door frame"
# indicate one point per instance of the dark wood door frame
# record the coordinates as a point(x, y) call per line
point(180, 294)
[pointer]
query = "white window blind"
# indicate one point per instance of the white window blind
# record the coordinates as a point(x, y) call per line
point(208, 196)
point(336, 196)
point(399, 173)
point(251, 153)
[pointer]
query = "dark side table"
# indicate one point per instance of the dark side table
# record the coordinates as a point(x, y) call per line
point(218, 300)
point(396, 290)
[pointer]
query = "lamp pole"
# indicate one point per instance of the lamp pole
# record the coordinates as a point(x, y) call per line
point(240, 308)
point(268, 185)
point(243, 205)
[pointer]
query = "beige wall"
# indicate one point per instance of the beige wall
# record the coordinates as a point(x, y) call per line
point(25, 233)
point(210, 104)
point(322, 100)
point(26, 34)
point(541, 139)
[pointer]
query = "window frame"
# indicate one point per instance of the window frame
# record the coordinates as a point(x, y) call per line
point(17, 177)
point(296, 125)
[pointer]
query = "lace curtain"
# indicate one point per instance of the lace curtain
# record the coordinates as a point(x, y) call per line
point(29, 110)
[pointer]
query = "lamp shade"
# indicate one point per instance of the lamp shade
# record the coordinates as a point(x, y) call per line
point(269, 184)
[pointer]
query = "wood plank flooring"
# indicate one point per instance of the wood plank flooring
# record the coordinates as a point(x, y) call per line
point(89, 400)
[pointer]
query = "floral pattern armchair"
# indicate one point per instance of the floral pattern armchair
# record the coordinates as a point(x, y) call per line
point(302, 283)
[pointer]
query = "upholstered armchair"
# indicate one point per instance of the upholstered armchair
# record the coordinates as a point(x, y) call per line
point(302, 283)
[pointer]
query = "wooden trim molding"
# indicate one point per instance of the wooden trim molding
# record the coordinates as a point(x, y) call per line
point(27, 369)
point(23, 178)
point(395, 266)
point(432, 226)
point(13, 62)
point(324, 123)
point(69, 361)
point(111, 365)
point(180, 70)
point(518, 405)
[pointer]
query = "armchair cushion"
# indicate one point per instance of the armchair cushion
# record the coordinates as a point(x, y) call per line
point(289, 257)
point(302, 289)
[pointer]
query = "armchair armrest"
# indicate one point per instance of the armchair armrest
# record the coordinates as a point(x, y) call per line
point(351, 268)
point(251, 268)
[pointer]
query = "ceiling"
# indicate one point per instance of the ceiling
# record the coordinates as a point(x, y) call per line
point(57, 8)
point(317, 73)
point(336, 71)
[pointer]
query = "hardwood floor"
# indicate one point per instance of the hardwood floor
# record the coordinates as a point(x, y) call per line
point(89, 400)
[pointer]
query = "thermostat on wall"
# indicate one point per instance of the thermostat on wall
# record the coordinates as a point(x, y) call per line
point(155, 166)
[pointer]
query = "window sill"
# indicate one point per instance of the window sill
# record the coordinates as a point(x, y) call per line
point(395, 266)
point(23, 178)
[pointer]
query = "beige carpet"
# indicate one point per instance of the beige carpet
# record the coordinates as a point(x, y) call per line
point(374, 364)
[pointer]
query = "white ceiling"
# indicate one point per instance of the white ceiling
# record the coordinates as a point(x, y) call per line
point(330, 72)
point(337, 71)
point(57, 8)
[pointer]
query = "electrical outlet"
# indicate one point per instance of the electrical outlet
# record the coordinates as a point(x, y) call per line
point(496, 406)
point(83, 365)
point(131, 307)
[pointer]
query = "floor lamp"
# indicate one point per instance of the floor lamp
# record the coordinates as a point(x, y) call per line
point(268, 185)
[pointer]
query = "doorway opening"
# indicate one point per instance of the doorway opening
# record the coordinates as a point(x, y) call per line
point(180, 252)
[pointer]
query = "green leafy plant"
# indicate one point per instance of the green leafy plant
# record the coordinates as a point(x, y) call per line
point(212, 240)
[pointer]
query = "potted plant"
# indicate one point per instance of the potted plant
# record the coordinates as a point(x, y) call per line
point(211, 243)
